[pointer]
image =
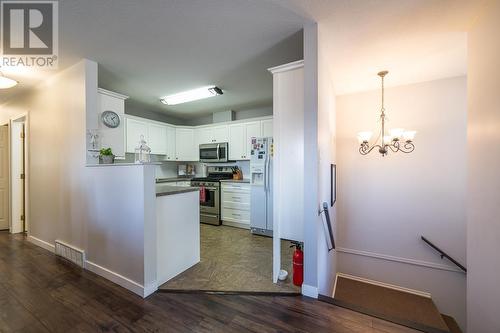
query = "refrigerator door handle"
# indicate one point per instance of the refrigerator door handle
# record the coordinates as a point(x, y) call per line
point(265, 176)
point(266, 172)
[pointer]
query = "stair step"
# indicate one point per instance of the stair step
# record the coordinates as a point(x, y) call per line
point(399, 305)
point(452, 324)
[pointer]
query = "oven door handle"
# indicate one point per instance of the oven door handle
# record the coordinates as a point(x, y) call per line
point(210, 188)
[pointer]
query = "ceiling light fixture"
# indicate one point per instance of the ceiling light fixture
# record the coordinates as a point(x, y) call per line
point(191, 95)
point(6, 83)
point(398, 139)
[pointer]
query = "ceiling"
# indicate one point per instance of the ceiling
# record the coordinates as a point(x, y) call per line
point(416, 40)
point(151, 48)
point(148, 49)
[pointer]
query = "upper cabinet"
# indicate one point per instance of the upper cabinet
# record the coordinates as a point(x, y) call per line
point(185, 145)
point(135, 129)
point(237, 142)
point(212, 134)
point(170, 155)
point(181, 143)
point(112, 137)
point(240, 136)
point(267, 127)
point(252, 130)
point(157, 139)
point(220, 133)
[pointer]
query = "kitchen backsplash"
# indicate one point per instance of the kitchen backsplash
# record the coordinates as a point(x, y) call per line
point(169, 169)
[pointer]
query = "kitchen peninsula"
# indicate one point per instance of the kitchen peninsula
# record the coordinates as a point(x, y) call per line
point(146, 233)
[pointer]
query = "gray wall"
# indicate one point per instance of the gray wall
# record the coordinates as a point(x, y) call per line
point(238, 115)
point(483, 226)
point(385, 203)
point(138, 109)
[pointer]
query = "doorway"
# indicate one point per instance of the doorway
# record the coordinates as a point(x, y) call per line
point(4, 177)
point(18, 191)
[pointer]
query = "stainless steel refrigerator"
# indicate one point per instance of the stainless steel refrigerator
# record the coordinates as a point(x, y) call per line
point(261, 170)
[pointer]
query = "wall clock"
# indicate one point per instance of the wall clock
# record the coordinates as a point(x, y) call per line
point(110, 119)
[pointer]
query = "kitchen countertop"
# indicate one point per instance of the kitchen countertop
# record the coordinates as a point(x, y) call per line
point(247, 181)
point(162, 189)
point(173, 179)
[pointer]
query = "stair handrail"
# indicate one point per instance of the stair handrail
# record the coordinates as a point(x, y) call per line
point(444, 254)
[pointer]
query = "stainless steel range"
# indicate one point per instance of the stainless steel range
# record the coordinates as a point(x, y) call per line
point(210, 201)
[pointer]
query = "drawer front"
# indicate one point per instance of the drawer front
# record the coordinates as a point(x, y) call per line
point(244, 187)
point(230, 196)
point(236, 205)
point(236, 215)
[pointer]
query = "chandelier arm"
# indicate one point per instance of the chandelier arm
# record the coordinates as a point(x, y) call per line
point(366, 149)
point(408, 147)
point(394, 146)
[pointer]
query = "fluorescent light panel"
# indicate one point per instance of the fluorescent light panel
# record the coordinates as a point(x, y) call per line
point(191, 95)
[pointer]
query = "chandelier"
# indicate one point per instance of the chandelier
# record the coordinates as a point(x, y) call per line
point(399, 139)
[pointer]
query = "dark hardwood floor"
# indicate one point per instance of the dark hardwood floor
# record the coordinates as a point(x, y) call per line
point(42, 293)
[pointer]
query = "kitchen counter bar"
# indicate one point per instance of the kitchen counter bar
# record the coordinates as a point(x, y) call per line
point(164, 189)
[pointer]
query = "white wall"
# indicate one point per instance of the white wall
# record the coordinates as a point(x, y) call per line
point(311, 178)
point(326, 146)
point(57, 153)
point(483, 227)
point(66, 198)
point(386, 203)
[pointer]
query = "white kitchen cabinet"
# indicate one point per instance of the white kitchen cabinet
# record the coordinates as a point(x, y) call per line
point(252, 130)
point(267, 127)
point(235, 204)
point(170, 155)
point(220, 133)
point(203, 135)
point(185, 145)
point(236, 142)
point(157, 139)
point(212, 134)
point(135, 129)
point(240, 137)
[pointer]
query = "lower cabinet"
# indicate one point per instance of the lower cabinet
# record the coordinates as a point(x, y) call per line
point(235, 204)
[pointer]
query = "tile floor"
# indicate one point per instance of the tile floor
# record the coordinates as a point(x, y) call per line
point(232, 260)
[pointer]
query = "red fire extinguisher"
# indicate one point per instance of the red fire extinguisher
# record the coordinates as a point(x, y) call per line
point(298, 264)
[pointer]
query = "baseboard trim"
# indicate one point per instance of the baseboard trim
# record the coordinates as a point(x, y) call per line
point(381, 284)
point(121, 280)
point(409, 261)
point(309, 291)
point(41, 243)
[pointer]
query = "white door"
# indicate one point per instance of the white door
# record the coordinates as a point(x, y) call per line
point(220, 133)
point(185, 145)
point(236, 142)
point(4, 178)
point(17, 183)
point(135, 129)
point(170, 143)
point(157, 139)
point(251, 130)
point(267, 128)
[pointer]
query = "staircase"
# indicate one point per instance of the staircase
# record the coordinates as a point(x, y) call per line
point(399, 305)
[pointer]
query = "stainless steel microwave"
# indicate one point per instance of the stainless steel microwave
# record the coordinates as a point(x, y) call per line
point(214, 152)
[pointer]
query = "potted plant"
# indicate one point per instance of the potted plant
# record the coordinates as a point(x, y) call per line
point(106, 156)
